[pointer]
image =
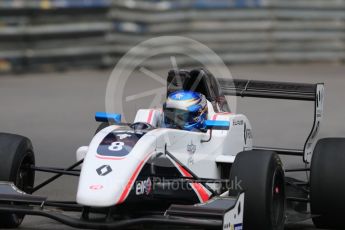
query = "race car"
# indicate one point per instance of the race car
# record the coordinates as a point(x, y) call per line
point(191, 163)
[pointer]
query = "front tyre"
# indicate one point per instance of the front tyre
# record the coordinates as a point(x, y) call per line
point(327, 183)
point(261, 176)
point(16, 154)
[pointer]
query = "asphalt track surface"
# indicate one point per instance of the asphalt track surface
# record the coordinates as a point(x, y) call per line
point(56, 110)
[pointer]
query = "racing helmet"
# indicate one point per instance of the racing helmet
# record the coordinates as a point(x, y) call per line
point(185, 110)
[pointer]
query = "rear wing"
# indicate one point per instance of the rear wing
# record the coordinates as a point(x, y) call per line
point(282, 90)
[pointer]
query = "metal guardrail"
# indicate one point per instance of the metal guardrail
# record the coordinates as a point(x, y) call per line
point(51, 4)
point(99, 32)
point(239, 31)
point(47, 33)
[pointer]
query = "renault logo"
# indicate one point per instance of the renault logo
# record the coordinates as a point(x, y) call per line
point(104, 170)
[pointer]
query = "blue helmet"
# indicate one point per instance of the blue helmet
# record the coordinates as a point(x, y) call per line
point(185, 110)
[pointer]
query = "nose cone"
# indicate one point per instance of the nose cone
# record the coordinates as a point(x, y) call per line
point(99, 193)
point(113, 162)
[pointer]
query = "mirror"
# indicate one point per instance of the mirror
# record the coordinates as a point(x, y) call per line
point(217, 125)
point(108, 117)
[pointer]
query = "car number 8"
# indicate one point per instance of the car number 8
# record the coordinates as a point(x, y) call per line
point(116, 146)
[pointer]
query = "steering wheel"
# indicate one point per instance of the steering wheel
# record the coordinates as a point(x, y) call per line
point(141, 126)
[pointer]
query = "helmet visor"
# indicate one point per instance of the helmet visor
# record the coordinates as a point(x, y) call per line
point(179, 118)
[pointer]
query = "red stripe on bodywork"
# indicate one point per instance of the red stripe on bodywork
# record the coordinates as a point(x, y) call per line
point(110, 158)
point(204, 196)
point(214, 117)
point(132, 179)
point(149, 119)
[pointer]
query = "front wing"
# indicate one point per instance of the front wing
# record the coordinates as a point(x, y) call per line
point(221, 212)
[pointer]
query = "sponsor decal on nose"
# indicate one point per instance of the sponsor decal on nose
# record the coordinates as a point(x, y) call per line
point(96, 187)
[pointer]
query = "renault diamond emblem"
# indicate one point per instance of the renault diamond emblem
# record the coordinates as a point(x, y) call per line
point(104, 170)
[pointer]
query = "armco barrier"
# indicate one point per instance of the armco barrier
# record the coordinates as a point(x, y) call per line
point(52, 33)
point(65, 33)
point(239, 31)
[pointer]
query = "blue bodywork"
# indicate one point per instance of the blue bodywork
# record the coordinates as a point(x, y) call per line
point(108, 117)
point(220, 125)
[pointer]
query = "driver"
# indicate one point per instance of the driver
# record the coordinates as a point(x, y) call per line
point(185, 110)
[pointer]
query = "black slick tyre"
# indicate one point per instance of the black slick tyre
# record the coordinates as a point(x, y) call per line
point(16, 154)
point(261, 176)
point(327, 183)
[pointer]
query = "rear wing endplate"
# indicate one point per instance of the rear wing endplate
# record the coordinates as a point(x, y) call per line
point(282, 90)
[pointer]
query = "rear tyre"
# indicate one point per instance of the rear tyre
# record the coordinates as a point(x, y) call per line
point(16, 154)
point(260, 175)
point(327, 183)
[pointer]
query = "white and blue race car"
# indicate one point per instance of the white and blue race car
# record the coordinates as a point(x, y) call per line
point(146, 173)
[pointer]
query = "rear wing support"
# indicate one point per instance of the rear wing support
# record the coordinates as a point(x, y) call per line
point(283, 90)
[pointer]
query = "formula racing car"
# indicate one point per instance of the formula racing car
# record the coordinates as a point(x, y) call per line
point(191, 163)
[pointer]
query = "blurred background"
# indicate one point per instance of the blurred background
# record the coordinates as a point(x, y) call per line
point(56, 57)
point(64, 34)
